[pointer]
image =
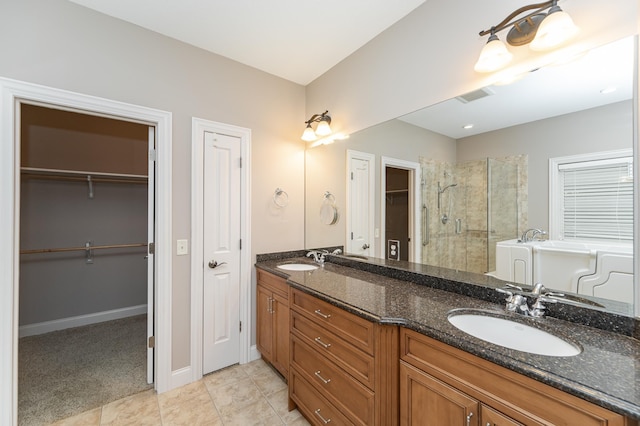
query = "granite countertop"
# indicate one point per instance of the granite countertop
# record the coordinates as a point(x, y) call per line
point(606, 372)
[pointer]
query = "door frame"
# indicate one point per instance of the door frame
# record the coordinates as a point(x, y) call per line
point(198, 128)
point(13, 92)
point(415, 248)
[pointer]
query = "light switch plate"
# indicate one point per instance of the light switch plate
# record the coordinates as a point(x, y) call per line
point(182, 247)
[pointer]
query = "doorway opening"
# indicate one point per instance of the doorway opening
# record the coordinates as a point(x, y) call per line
point(86, 274)
point(400, 210)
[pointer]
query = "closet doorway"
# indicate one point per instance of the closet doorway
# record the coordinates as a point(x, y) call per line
point(86, 285)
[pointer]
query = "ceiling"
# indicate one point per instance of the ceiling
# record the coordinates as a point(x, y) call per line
point(546, 92)
point(298, 40)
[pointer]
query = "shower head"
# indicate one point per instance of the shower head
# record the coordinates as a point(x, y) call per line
point(441, 190)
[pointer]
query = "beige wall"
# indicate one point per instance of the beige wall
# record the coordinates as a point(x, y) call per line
point(59, 44)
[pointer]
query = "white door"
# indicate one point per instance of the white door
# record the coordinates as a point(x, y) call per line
point(221, 246)
point(360, 189)
point(151, 212)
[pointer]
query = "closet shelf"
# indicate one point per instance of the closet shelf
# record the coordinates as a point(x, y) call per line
point(80, 175)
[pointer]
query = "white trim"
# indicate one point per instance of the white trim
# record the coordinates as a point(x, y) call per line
point(636, 179)
point(254, 354)
point(198, 128)
point(415, 253)
point(555, 215)
point(181, 377)
point(371, 158)
point(11, 93)
point(80, 320)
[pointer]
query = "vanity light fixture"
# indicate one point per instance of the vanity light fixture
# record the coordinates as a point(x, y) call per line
point(322, 129)
point(542, 31)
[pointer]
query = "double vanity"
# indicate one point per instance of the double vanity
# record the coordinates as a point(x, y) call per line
point(382, 343)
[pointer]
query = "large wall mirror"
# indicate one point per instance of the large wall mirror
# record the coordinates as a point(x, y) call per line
point(457, 184)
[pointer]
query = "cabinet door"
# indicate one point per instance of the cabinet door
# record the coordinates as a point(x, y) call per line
point(427, 401)
point(280, 357)
point(264, 320)
point(491, 417)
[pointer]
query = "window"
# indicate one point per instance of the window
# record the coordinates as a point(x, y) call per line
point(591, 197)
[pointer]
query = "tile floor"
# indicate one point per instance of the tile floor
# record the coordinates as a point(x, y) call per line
point(249, 394)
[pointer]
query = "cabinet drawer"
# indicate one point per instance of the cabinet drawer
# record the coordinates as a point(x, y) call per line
point(353, 329)
point(317, 409)
point(274, 283)
point(354, 361)
point(354, 400)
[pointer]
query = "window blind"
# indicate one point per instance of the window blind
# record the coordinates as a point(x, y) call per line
point(597, 199)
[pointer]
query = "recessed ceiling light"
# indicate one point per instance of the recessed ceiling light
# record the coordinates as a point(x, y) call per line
point(467, 126)
point(606, 90)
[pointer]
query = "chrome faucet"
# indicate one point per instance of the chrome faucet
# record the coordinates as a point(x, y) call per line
point(534, 232)
point(518, 303)
point(318, 257)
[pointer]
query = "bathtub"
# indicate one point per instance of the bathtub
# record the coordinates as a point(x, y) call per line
point(593, 269)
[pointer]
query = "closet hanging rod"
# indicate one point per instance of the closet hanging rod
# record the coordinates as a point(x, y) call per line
point(83, 178)
point(82, 248)
point(31, 171)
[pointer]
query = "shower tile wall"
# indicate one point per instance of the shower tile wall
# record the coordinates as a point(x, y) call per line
point(473, 248)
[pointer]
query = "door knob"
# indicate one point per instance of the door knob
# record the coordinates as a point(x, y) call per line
point(213, 264)
point(365, 246)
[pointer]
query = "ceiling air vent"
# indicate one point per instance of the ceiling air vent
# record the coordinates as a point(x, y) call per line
point(475, 95)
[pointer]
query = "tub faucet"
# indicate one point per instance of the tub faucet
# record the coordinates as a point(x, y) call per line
point(530, 234)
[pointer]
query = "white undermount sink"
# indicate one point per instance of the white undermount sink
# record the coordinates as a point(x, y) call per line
point(511, 334)
point(297, 267)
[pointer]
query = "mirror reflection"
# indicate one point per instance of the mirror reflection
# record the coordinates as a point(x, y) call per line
point(497, 181)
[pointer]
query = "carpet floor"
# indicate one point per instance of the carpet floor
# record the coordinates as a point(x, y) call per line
point(71, 371)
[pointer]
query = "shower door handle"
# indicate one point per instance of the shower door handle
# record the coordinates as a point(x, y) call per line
point(425, 225)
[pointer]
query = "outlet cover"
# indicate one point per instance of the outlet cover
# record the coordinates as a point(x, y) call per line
point(182, 247)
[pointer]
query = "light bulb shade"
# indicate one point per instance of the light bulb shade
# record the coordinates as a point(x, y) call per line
point(494, 55)
point(554, 30)
point(308, 134)
point(323, 128)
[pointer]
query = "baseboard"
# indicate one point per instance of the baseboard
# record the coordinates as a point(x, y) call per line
point(181, 377)
point(78, 321)
point(253, 353)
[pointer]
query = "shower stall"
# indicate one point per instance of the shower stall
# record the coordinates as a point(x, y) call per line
point(469, 207)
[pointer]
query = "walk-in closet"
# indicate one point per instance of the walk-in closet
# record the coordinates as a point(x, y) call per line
point(84, 281)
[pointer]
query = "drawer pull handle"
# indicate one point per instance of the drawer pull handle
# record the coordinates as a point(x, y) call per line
point(325, 421)
point(320, 342)
point(325, 381)
point(325, 316)
point(469, 419)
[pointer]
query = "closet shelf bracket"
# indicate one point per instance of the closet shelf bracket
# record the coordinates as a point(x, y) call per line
point(90, 182)
point(88, 252)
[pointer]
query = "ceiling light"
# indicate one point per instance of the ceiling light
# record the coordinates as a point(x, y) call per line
point(543, 31)
point(606, 90)
point(322, 129)
point(467, 126)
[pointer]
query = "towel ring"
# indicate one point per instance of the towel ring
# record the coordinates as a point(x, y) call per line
point(280, 198)
point(328, 211)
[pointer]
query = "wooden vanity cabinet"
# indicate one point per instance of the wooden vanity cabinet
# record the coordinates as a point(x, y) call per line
point(272, 336)
point(442, 385)
point(343, 367)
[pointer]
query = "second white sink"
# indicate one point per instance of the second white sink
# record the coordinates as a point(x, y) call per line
point(511, 334)
point(297, 267)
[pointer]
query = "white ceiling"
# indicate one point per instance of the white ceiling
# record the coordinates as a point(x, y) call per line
point(297, 40)
point(544, 93)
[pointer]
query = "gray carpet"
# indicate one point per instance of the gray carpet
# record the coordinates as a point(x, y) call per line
point(67, 372)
